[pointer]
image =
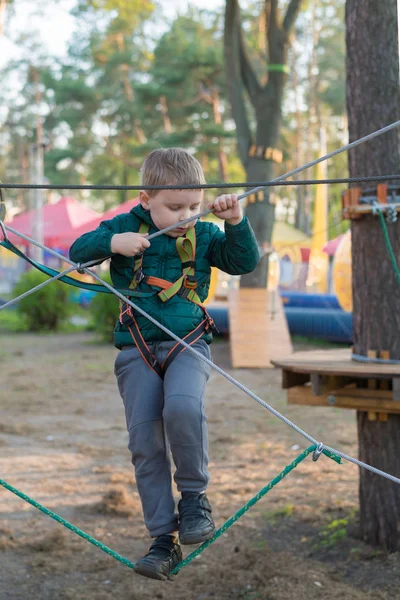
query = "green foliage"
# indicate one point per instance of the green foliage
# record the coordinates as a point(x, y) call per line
point(280, 513)
point(335, 531)
point(10, 321)
point(132, 81)
point(45, 309)
point(105, 311)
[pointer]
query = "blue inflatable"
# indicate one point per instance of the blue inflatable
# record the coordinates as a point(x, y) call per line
point(330, 324)
point(317, 316)
point(300, 300)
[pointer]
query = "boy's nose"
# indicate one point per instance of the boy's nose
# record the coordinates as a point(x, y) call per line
point(184, 215)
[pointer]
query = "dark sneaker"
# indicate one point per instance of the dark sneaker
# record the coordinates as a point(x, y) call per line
point(196, 524)
point(162, 558)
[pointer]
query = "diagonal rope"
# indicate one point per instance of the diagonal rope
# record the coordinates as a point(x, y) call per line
point(37, 287)
point(190, 348)
point(173, 336)
point(312, 163)
point(248, 505)
point(216, 367)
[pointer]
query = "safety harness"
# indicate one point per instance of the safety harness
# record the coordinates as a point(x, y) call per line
point(185, 287)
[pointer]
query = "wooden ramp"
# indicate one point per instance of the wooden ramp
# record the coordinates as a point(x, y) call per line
point(258, 329)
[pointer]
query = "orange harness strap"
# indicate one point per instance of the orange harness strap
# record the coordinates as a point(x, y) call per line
point(185, 286)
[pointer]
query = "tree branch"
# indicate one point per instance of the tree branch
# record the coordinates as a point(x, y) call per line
point(273, 12)
point(234, 76)
point(291, 15)
point(247, 72)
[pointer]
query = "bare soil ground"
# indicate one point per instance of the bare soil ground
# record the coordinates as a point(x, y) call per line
point(63, 442)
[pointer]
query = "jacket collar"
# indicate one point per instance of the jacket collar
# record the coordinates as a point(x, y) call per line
point(143, 215)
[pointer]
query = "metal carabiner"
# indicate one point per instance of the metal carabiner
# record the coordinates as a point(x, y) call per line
point(317, 452)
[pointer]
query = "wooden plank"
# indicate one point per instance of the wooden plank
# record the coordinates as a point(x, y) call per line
point(335, 362)
point(381, 193)
point(257, 327)
point(303, 396)
point(364, 393)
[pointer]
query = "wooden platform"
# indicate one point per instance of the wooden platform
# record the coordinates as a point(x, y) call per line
point(334, 362)
point(257, 328)
point(333, 378)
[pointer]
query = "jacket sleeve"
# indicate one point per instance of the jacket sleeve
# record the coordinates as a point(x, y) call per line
point(96, 245)
point(235, 251)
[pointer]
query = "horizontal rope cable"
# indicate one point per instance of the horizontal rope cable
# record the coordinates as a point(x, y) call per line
point(312, 163)
point(202, 186)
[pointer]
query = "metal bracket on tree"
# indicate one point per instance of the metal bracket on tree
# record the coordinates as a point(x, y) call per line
point(357, 202)
point(266, 153)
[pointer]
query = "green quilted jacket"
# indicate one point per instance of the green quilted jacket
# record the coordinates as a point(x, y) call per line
point(235, 252)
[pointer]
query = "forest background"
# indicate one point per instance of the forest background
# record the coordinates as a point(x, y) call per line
point(138, 75)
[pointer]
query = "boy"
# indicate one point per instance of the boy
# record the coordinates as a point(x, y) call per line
point(161, 383)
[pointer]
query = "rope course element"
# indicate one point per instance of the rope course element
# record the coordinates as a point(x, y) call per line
point(317, 447)
point(200, 186)
point(203, 546)
point(213, 365)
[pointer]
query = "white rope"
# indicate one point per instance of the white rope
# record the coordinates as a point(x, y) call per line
point(312, 163)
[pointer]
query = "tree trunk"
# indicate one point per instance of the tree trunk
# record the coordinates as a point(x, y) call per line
point(373, 101)
point(267, 106)
point(261, 215)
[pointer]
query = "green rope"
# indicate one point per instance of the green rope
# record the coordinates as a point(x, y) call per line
point(251, 503)
point(333, 456)
point(198, 550)
point(389, 245)
point(76, 530)
point(91, 287)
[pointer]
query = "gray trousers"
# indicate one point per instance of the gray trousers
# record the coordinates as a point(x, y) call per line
point(163, 415)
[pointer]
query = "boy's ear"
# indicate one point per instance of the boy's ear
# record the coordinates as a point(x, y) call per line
point(144, 199)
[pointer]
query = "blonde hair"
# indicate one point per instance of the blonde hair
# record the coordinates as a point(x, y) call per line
point(171, 166)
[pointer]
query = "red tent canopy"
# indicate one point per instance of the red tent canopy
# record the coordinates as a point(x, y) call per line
point(331, 246)
point(67, 239)
point(66, 215)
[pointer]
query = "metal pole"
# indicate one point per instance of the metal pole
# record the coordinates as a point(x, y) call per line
point(39, 200)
